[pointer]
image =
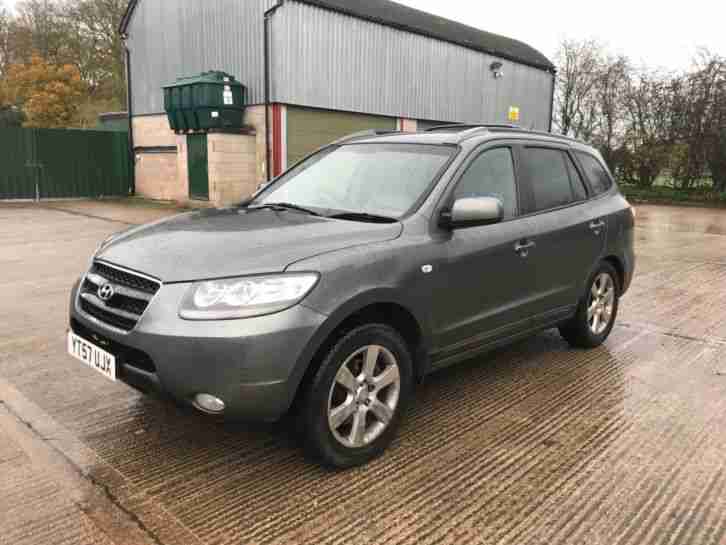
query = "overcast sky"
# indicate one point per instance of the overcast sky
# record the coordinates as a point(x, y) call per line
point(659, 33)
point(663, 33)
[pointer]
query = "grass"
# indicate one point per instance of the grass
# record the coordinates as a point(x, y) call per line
point(669, 195)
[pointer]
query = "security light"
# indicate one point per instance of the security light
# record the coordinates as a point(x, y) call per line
point(496, 68)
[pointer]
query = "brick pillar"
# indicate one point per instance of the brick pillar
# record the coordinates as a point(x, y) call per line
point(407, 125)
point(232, 167)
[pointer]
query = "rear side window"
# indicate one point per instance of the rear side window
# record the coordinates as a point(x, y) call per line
point(599, 179)
point(549, 177)
point(491, 175)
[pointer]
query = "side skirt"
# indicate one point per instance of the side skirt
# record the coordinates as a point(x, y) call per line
point(478, 345)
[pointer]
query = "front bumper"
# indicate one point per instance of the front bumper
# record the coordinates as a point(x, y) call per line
point(254, 365)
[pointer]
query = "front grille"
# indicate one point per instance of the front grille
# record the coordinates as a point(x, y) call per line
point(132, 293)
point(107, 317)
point(124, 278)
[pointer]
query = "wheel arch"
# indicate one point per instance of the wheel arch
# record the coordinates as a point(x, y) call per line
point(619, 267)
point(373, 307)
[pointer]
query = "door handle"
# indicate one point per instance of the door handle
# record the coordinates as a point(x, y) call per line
point(597, 226)
point(523, 247)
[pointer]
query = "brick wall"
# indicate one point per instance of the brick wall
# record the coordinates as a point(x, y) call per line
point(153, 130)
point(164, 175)
point(232, 167)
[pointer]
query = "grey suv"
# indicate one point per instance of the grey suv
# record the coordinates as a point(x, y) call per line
point(369, 264)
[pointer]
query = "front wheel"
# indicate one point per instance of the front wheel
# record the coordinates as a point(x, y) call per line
point(596, 312)
point(352, 409)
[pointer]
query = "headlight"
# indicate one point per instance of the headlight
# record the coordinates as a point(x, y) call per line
point(245, 297)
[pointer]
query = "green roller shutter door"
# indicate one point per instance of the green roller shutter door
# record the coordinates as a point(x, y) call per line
point(308, 129)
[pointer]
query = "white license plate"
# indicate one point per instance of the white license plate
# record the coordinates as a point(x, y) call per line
point(91, 355)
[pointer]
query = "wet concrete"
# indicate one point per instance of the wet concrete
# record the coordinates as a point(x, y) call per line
point(536, 443)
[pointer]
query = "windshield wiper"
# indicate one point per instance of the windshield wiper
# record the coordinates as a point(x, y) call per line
point(363, 216)
point(284, 206)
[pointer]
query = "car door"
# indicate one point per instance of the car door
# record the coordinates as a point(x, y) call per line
point(569, 239)
point(485, 278)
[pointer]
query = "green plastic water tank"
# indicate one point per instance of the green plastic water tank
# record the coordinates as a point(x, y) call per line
point(211, 100)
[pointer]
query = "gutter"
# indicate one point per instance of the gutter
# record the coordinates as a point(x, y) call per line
point(552, 99)
point(126, 19)
point(268, 140)
point(130, 112)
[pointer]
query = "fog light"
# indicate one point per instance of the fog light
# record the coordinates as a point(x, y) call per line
point(209, 403)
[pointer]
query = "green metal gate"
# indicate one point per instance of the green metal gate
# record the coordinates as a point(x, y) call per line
point(63, 163)
point(197, 163)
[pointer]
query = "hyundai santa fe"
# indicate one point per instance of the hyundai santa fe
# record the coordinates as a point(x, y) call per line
point(369, 264)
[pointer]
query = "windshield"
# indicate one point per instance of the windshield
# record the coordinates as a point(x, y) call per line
point(377, 179)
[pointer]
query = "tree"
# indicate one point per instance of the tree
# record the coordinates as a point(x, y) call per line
point(610, 88)
point(98, 47)
point(646, 124)
point(41, 28)
point(4, 39)
point(717, 160)
point(648, 103)
point(80, 33)
point(712, 98)
point(575, 107)
point(50, 93)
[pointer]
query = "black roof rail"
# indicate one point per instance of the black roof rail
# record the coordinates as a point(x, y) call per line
point(363, 134)
point(458, 127)
point(458, 133)
point(465, 131)
point(541, 133)
point(461, 127)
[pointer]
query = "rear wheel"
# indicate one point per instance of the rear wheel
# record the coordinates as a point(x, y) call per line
point(596, 312)
point(353, 407)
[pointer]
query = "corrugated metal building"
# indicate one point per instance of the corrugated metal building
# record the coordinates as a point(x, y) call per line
point(333, 67)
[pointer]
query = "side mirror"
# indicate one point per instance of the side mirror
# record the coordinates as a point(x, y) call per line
point(472, 212)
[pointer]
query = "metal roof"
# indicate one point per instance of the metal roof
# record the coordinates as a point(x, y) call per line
point(403, 17)
point(396, 15)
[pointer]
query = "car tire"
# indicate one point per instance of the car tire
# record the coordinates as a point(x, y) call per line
point(597, 310)
point(348, 418)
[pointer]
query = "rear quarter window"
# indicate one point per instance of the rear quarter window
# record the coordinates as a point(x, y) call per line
point(599, 179)
point(578, 186)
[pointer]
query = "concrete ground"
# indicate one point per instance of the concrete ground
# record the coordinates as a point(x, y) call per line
point(536, 443)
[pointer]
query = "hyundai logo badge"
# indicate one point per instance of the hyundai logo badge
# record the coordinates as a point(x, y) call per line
point(105, 292)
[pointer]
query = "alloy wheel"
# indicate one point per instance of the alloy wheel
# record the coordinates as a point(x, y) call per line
point(601, 303)
point(364, 396)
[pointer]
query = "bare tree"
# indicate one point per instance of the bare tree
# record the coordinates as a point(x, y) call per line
point(648, 127)
point(610, 89)
point(4, 39)
point(576, 111)
point(42, 29)
point(98, 48)
point(646, 124)
point(711, 104)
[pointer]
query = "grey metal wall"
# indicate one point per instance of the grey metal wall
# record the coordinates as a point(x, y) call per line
point(172, 38)
point(329, 60)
